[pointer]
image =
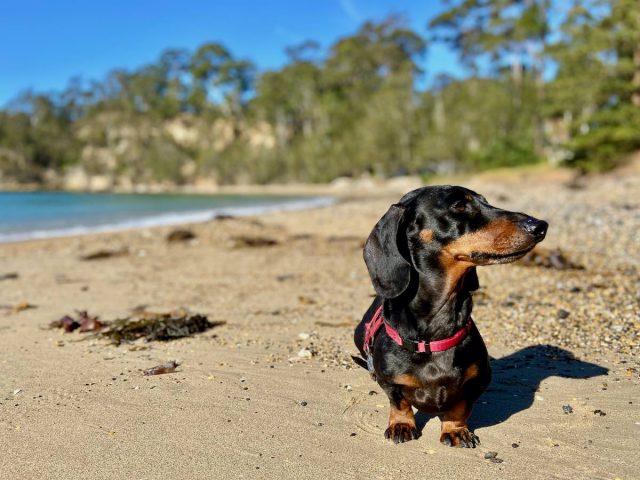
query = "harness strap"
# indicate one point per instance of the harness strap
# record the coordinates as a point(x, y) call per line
point(372, 327)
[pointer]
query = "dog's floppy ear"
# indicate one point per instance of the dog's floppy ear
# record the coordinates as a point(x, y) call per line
point(390, 272)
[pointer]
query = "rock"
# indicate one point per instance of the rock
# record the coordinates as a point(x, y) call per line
point(246, 241)
point(168, 367)
point(304, 300)
point(180, 235)
point(9, 276)
point(100, 183)
point(105, 253)
point(562, 314)
point(549, 258)
point(76, 178)
point(305, 353)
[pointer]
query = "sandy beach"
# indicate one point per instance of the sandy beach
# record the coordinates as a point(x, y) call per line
point(274, 394)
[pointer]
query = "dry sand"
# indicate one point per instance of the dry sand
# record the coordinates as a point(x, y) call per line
point(243, 404)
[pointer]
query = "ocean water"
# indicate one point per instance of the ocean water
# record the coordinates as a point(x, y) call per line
point(29, 215)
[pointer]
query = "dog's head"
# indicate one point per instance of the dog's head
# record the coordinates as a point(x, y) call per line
point(444, 228)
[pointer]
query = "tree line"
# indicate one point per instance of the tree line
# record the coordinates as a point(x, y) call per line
point(545, 81)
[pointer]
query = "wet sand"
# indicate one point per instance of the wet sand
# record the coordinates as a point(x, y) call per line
point(245, 403)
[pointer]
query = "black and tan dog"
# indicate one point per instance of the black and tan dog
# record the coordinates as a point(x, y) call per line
point(417, 336)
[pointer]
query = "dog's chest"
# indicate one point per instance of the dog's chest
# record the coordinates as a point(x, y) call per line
point(432, 389)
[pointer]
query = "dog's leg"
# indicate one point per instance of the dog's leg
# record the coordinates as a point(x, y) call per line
point(455, 432)
point(402, 422)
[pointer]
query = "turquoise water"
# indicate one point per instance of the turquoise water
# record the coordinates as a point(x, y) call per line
point(27, 215)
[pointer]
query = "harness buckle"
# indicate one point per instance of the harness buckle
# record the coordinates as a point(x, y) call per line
point(417, 346)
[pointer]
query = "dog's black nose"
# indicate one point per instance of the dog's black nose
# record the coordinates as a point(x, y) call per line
point(537, 228)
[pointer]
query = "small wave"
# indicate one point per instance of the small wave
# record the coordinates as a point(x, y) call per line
point(197, 216)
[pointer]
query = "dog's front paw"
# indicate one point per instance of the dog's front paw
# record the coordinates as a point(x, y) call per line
point(460, 437)
point(401, 432)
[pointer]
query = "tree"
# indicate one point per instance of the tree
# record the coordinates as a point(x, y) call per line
point(504, 33)
point(608, 129)
point(368, 78)
point(174, 68)
point(205, 66)
point(37, 130)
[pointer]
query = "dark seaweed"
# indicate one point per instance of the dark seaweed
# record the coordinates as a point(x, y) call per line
point(157, 327)
point(104, 254)
point(180, 235)
point(245, 241)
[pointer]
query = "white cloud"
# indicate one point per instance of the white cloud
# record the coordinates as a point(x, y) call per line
point(350, 10)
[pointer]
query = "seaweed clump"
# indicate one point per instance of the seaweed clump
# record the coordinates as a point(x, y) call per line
point(153, 326)
point(549, 258)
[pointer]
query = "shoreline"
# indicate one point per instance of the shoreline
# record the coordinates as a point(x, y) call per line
point(187, 217)
point(340, 190)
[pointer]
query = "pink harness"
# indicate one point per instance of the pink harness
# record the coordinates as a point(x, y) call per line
point(373, 325)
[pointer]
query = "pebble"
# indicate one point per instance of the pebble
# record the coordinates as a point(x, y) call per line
point(305, 353)
point(303, 403)
point(493, 457)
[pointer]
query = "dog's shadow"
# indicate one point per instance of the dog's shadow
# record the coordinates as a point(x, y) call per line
point(517, 377)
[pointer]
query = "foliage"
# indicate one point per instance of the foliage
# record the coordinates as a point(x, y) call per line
point(545, 80)
point(600, 60)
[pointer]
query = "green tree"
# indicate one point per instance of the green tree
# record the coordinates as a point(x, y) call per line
point(367, 79)
point(174, 68)
point(507, 34)
point(206, 65)
point(40, 133)
point(605, 48)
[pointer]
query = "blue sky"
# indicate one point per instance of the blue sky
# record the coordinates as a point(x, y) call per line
point(44, 43)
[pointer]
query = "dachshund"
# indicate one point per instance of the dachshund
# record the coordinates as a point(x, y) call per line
point(417, 338)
